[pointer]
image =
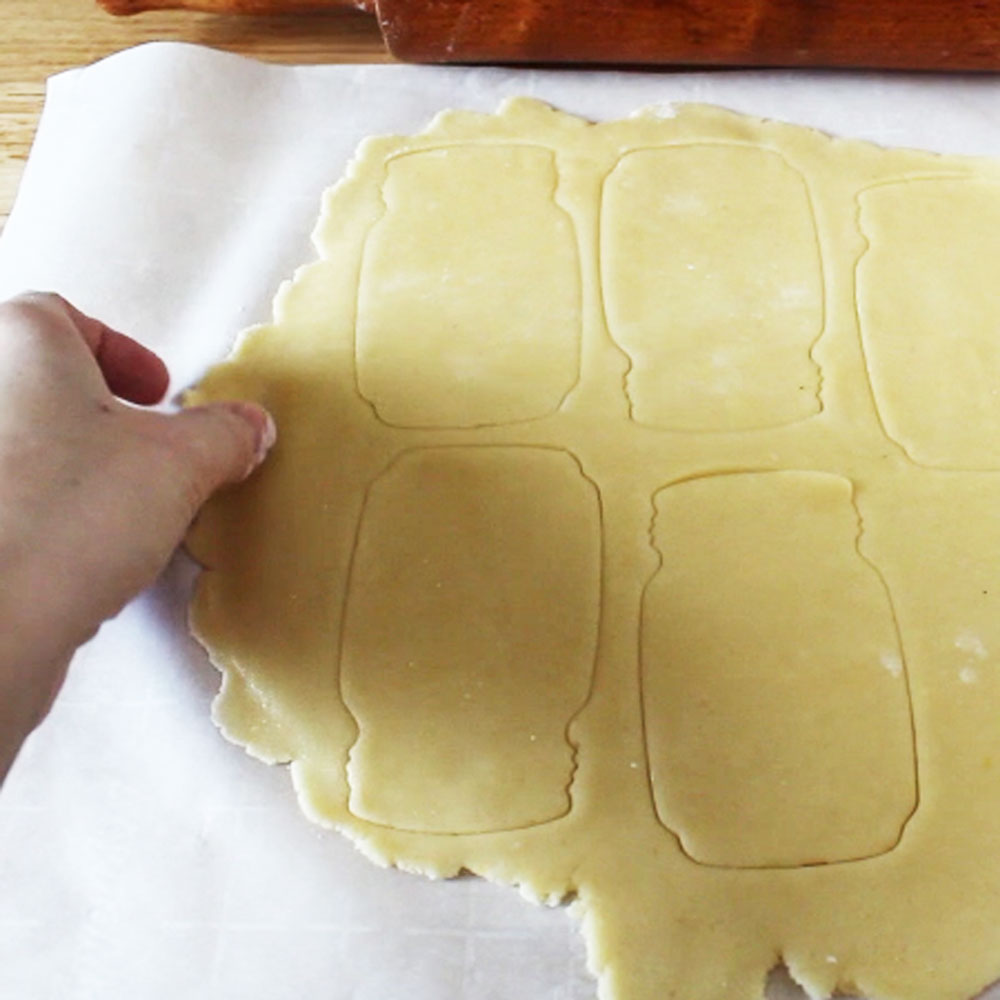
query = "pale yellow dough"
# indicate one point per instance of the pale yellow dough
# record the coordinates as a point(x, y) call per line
point(634, 532)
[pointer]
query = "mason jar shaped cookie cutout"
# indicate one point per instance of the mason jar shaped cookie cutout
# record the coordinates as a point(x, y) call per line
point(469, 638)
point(928, 315)
point(714, 289)
point(775, 697)
point(469, 304)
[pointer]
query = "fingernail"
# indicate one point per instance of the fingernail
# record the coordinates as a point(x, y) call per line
point(266, 433)
point(265, 439)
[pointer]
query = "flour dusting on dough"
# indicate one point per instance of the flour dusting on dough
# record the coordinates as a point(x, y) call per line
point(893, 662)
point(969, 642)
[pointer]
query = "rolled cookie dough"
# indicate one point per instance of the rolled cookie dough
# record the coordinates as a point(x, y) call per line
point(633, 534)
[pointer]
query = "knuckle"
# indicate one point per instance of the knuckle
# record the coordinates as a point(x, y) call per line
point(39, 314)
point(36, 302)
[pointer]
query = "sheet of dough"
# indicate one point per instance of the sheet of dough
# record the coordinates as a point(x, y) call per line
point(632, 536)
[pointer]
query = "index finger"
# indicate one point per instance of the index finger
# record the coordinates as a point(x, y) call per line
point(132, 372)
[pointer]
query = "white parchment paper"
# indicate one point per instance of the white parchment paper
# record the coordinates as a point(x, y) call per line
point(170, 190)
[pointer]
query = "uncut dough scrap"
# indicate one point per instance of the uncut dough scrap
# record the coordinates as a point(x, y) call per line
point(633, 532)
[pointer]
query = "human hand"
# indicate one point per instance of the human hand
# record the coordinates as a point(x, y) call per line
point(94, 494)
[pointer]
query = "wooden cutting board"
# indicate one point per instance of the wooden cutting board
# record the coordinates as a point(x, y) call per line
point(897, 34)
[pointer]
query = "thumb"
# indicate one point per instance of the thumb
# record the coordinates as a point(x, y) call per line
point(220, 443)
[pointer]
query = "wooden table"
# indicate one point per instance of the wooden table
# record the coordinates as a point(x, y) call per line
point(41, 37)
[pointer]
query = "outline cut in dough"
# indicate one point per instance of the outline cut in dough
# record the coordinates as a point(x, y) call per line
point(695, 331)
point(476, 576)
point(923, 309)
point(779, 729)
point(492, 336)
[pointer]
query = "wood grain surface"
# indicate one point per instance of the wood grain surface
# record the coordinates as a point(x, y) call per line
point(232, 6)
point(41, 37)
